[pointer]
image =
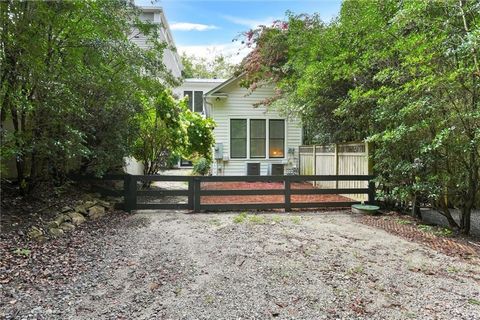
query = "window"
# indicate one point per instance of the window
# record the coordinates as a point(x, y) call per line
point(198, 101)
point(189, 94)
point(238, 138)
point(257, 138)
point(276, 135)
point(195, 100)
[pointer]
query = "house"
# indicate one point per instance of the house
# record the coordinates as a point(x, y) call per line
point(195, 90)
point(171, 59)
point(156, 15)
point(251, 140)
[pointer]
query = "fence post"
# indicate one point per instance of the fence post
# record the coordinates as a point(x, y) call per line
point(336, 164)
point(288, 194)
point(196, 194)
point(371, 192)
point(191, 193)
point(130, 192)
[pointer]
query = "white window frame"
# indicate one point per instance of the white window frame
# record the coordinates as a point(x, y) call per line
point(193, 99)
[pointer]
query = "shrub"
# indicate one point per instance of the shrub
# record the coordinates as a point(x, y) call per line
point(201, 166)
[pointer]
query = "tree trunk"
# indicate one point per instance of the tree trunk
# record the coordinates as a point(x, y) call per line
point(416, 208)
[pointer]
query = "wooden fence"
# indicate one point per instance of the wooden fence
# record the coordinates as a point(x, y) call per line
point(194, 191)
point(337, 159)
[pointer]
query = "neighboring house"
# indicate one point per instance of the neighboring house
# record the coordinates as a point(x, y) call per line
point(171, 59)
point(251, 140)
point(155, 15)
point(195, 90)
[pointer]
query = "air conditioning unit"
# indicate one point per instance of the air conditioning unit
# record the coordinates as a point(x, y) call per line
point(253, 168)
point(276, 169)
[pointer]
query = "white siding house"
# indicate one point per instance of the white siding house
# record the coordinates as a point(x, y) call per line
point(171, 59)
point(155, 15)
point(195, 89)
point(250, 135)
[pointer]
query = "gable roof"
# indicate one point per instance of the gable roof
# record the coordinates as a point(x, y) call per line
point(223, 85)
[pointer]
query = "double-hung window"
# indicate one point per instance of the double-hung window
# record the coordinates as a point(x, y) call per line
point(276, 138)
point(258, 139)
point(195, 100)
point(238, 138)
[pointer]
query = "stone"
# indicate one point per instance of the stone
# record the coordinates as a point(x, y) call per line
point(81, 209)
point(66, 209)
point(104, 204)
point(89, 204)
point(56, 232)
point(53, 224)
point(35, 233)
point(96, 212)
point(77, 218)
point(67, 226)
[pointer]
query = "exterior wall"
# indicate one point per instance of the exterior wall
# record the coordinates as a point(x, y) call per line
point(204, 85)
point(239, 104)
point(155, 15)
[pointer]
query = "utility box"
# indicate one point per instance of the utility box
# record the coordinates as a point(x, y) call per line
point(218, 151)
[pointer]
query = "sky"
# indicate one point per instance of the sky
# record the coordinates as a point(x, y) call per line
point(207, 28)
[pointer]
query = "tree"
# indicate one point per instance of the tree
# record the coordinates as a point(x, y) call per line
point(199, 67)
point(403, 75)
point(70, 78)
point(168, 127)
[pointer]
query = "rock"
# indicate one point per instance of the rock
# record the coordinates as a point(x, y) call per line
point(77, 218)
point(53, 224)
point(67, 226)
point(81, 209)
point(56, 232)
point(96, 212)
point(66, 209)
point(107, 205)
point(89, 204)
point(35, 233)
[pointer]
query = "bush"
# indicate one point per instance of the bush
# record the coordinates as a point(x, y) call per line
point(201, 166)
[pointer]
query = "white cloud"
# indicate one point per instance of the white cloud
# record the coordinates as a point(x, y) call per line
point(233, 51)
point(251, 23)
point(187, 26)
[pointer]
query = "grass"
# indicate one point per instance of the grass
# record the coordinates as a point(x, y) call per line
point(474, 301)
point(438, 231)
point(403, 221)
point(262, 219)
point(296, 219)
point(22, 252)
point(277, 219)
point(240, 218)
point(256, 219)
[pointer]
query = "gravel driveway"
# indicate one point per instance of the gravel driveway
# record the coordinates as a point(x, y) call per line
point(230, 266)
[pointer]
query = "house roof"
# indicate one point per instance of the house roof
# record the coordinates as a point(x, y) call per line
point(203, 80)
point(223, 85)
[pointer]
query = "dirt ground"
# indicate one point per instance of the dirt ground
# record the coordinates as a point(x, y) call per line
point(170, 265)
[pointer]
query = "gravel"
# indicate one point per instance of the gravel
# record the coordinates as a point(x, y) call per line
point(172, 265)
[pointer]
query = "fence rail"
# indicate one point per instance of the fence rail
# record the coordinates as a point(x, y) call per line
point(195, 192)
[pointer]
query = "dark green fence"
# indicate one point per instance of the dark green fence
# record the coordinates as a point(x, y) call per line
point(132, 190)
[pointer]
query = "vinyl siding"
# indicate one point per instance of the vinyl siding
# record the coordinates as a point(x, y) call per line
point(240, 104)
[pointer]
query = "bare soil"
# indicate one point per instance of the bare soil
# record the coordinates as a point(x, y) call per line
point(171, 265)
